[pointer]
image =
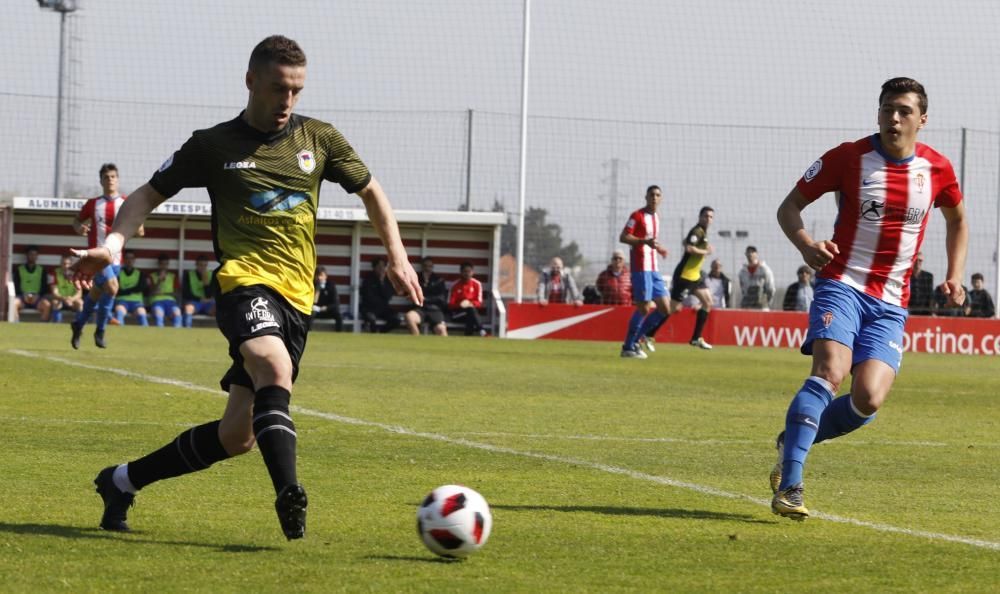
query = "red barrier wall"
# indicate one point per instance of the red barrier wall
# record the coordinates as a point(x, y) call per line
point(734, 327)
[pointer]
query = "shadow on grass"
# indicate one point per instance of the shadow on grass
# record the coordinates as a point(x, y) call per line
point(411, 559)
point(76, 532)
point(654, 512)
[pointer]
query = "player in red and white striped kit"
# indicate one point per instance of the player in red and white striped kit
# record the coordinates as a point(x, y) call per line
point(886, 185)
point(94, 221)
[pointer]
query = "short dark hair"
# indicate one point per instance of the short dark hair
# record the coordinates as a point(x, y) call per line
point(902, 85)
point(977, 276)
point(751, 248)
point(651, 188)
point(426, 259)
point(128, 252)
point(320, 269)
point(106, 168)
point(378, 259)
point(201, 258)
point(31, 248)
point(278, 49)
point(162, 257)
point(705, 209)
point(465, 265)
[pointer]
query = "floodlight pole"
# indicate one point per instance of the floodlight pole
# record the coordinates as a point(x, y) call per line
point(519, 276)
point(63, 7)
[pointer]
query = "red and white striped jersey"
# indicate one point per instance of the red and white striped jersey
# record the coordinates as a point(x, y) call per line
point(100, 214)
point(884, 205)
point(643, 225)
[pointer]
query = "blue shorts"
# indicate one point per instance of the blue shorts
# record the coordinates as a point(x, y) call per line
point(201, 307)
point(130, 306)
point(870, 327)
point(169, 306)
point(110, 272)
point(647, 286)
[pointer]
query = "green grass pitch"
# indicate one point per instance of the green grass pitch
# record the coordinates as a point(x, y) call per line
point(604, 475)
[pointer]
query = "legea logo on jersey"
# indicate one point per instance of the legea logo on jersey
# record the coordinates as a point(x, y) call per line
point(306, 161)
point(241, 165)
point(277, 199)
point(813, 170)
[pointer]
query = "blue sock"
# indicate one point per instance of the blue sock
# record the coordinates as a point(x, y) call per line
point(84, 314)
point(120, 316)
point(633, 330)
point(840, 418)
point(176, 317)
point(158, 316)
point(57, 316)
point(104, 306)
point(652, 321)
point(801, 425)
point(188, 320)
point(143, 319)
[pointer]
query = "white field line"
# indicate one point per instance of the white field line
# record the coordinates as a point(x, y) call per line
point(642, 476)
point(683, 440)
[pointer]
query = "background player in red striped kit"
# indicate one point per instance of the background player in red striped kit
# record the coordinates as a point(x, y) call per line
point(887, 185)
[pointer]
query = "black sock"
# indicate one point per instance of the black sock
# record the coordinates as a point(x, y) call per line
point(275, 433)
point(193, 450)
point(699, 324)
point(651, 333)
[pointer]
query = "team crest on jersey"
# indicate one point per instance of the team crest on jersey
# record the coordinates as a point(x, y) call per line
point(813, 170)
point(920, 182)
point(306, 161)
point(827, 319)
point(166, 164)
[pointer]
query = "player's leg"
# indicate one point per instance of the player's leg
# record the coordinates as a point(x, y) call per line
point(435, 319)
point(656, 318)
point(189, 309)
point(44, 309)
point(705, 297)
point(120, 312)
point(413, 320)
point(158, 313)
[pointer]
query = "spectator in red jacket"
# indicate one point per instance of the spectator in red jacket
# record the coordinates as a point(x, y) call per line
point(465, 300)
point(614, 283)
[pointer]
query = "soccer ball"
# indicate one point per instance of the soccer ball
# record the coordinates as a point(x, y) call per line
point(454, 521)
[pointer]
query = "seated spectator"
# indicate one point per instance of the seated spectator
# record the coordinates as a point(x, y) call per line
point(614, 283)
point(29, 285)
point(941, 308)
point(198, 292)
point(978, 303)
point(756, 282)
point(799, 295)
point(921, 288)
point(131, 283)
point(326, 301)
point(63, 294)
point(718, 285)
point(465, 300)
point(163, 288)
point(557, 286)
point(435, 302)
point(376, 293)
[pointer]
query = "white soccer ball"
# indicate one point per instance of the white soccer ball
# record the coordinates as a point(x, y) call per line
point(454, 521)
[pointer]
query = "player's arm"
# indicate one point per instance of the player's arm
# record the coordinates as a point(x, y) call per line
point(816, 254)
point(956, 247)
point(130, 217)
point(401, 272)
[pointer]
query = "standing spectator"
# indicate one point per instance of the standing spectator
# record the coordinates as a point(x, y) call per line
point(435, 302)
point(921, 288)
point(799, 295)
point(465, 300)
point(557, 286)
point(62, 292)
point(326, 301)
point(131, 284)
point(197, 291)
point(979, 304)
point(376, 293)
point(613, 283)
point(756, 282)
point(29, 285)
point(719, 286)
point(163, 289)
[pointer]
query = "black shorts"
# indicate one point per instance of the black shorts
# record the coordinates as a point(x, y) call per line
point(249, 312)
point(679, 287)
point(431, 314)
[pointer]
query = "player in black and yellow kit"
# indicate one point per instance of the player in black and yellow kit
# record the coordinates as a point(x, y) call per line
point(688, 279)
point(263, 171)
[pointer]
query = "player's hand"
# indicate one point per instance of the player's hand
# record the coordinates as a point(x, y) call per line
point(84, 228)
point(955, 292)
point(404, 280)
point(90, 263)
point(709, 249)
point(819, 254)
point(660, 250)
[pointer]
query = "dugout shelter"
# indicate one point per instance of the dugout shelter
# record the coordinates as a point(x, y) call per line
point(346, 244)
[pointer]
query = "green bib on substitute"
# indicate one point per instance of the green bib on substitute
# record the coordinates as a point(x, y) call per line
point(31, 280)
point(130, 286)
point(264, 190)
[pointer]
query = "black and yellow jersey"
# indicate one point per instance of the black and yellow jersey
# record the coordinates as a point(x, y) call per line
point(265, 192)
point(689, 268)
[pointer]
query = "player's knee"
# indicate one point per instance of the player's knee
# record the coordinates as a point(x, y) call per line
point(236, 442)
point(830, 373)
point(868, 400)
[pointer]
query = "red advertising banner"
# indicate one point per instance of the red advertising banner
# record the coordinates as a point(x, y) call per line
point(736, 327)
